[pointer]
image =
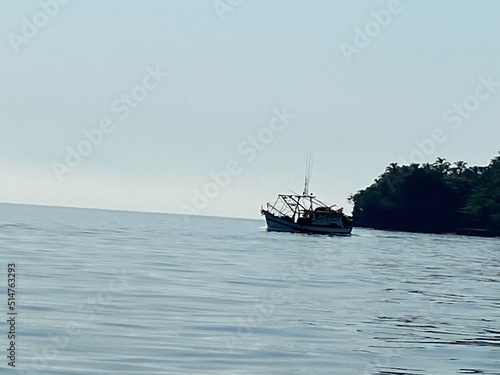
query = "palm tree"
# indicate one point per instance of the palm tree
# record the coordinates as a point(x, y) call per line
point(460, 167)
point(393, 167)
point(442, 165)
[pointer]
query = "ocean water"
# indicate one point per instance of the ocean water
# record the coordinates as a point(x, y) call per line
point(105, 292)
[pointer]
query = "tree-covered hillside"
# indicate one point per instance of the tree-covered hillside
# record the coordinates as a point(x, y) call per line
point(436, 198)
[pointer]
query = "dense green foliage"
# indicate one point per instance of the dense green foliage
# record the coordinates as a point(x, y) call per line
point(438, 197)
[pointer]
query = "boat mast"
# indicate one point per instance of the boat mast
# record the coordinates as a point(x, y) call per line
point(309, 165)
point(308, 175)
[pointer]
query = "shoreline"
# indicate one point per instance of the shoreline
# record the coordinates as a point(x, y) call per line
point(470, 232)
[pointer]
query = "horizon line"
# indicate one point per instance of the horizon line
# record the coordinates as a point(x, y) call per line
point(126, 210)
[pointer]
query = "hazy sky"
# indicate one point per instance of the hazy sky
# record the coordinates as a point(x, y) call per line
point(173, 92)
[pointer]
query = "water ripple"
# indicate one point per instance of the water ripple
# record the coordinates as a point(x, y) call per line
point(134, 293)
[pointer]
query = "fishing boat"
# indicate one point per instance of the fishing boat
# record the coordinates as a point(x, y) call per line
point(305, 213)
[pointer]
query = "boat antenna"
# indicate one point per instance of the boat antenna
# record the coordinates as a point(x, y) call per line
point(309, 165)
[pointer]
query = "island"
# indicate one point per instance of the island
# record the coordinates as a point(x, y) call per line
point(432, 198)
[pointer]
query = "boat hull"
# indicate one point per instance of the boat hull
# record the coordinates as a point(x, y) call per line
point(279, 224)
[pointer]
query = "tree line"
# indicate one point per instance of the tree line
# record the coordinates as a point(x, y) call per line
point(434, 198)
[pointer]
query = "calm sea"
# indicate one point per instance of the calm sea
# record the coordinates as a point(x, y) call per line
point(105, 292)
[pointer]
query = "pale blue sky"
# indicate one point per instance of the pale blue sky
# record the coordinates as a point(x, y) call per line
point(225, 79)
